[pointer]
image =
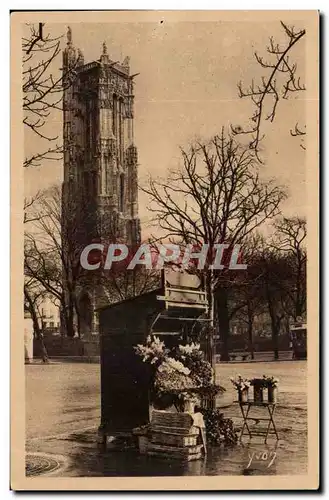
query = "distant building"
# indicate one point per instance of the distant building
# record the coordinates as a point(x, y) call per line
point(28, 337)
point(100, 191)
point(50, 315)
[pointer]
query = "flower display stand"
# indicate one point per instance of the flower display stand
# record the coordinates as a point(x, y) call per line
point(175, 436)
point(270, 429)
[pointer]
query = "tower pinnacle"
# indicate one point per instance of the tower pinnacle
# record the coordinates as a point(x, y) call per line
point(69, 35)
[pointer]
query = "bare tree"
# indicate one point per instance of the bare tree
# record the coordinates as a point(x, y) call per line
point(33, 291)
point(216, 196)
point(29, 202)
point(280, 82)
point(274, 271)
point(33, 296)
point(248, 292)
point(275, 279)
point(122, 284)
point(42, 90)
point(51, 257)
point(289, 239)
point(53, 244)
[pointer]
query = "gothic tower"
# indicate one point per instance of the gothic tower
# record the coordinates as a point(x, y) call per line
point(100, 194)
point(100, 158)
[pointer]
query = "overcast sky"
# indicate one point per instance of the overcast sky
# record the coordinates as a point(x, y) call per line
point(187, 88)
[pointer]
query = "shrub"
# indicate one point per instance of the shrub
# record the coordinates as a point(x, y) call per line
point(219, 430)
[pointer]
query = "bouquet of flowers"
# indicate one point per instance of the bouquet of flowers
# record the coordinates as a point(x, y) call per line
point(154, 351)
point(201, 370)
point(172, 376)
point(239, 383)
point(179, 374)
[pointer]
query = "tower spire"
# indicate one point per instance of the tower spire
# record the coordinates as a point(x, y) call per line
point(104, 57)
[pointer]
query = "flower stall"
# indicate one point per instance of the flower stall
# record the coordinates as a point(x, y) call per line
point(181, 381)
point(155, 379)
point(173, 314)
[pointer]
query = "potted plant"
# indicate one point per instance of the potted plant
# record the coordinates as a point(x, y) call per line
point(258, 385)
point(188, 401)
point(220, 431)
point(242, 386)
point(272, 388)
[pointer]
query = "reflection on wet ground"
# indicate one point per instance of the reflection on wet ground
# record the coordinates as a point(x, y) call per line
point(63, 415)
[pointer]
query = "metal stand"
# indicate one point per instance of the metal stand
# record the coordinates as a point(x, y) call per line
point(245, 409)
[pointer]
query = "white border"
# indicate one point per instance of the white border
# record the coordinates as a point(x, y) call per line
point(4, 185)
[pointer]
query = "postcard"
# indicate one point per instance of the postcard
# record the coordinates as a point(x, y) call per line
point(165, 284)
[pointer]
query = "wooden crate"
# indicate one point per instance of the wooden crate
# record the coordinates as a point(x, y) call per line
point(192, 431)
point(143, 443)
point(171, 419)
point(170, 456)
point(175, 451)
point(173, 439)
point(173, 435)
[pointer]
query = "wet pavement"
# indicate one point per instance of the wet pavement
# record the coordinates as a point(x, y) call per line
point(63, 414)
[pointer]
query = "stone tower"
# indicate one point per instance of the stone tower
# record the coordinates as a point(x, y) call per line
point(100, 193)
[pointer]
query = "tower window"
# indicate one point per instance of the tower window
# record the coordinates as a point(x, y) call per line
point(67, 131)
point(120, 130)
point(95, 186)
point(115, 114)
point(122, 192)
point(86, 183)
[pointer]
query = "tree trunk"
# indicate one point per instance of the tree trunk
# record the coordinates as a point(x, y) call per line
point(62, 319)
point(37, 330)
point(250, 339)
point(275, 328)
point(274, 323)
point(70, 332)
point(210, 354)
point(68, 317)
point(275, 335)
point(223, 322)
point(250, 313)
point(210, 402)
point(77, 312)
point(298, 309)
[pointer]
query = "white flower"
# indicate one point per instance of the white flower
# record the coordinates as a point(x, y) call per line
point(240, 383)
point(189, 348)
point(177, 365)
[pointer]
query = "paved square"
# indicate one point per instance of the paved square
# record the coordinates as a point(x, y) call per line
point(63, 414)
